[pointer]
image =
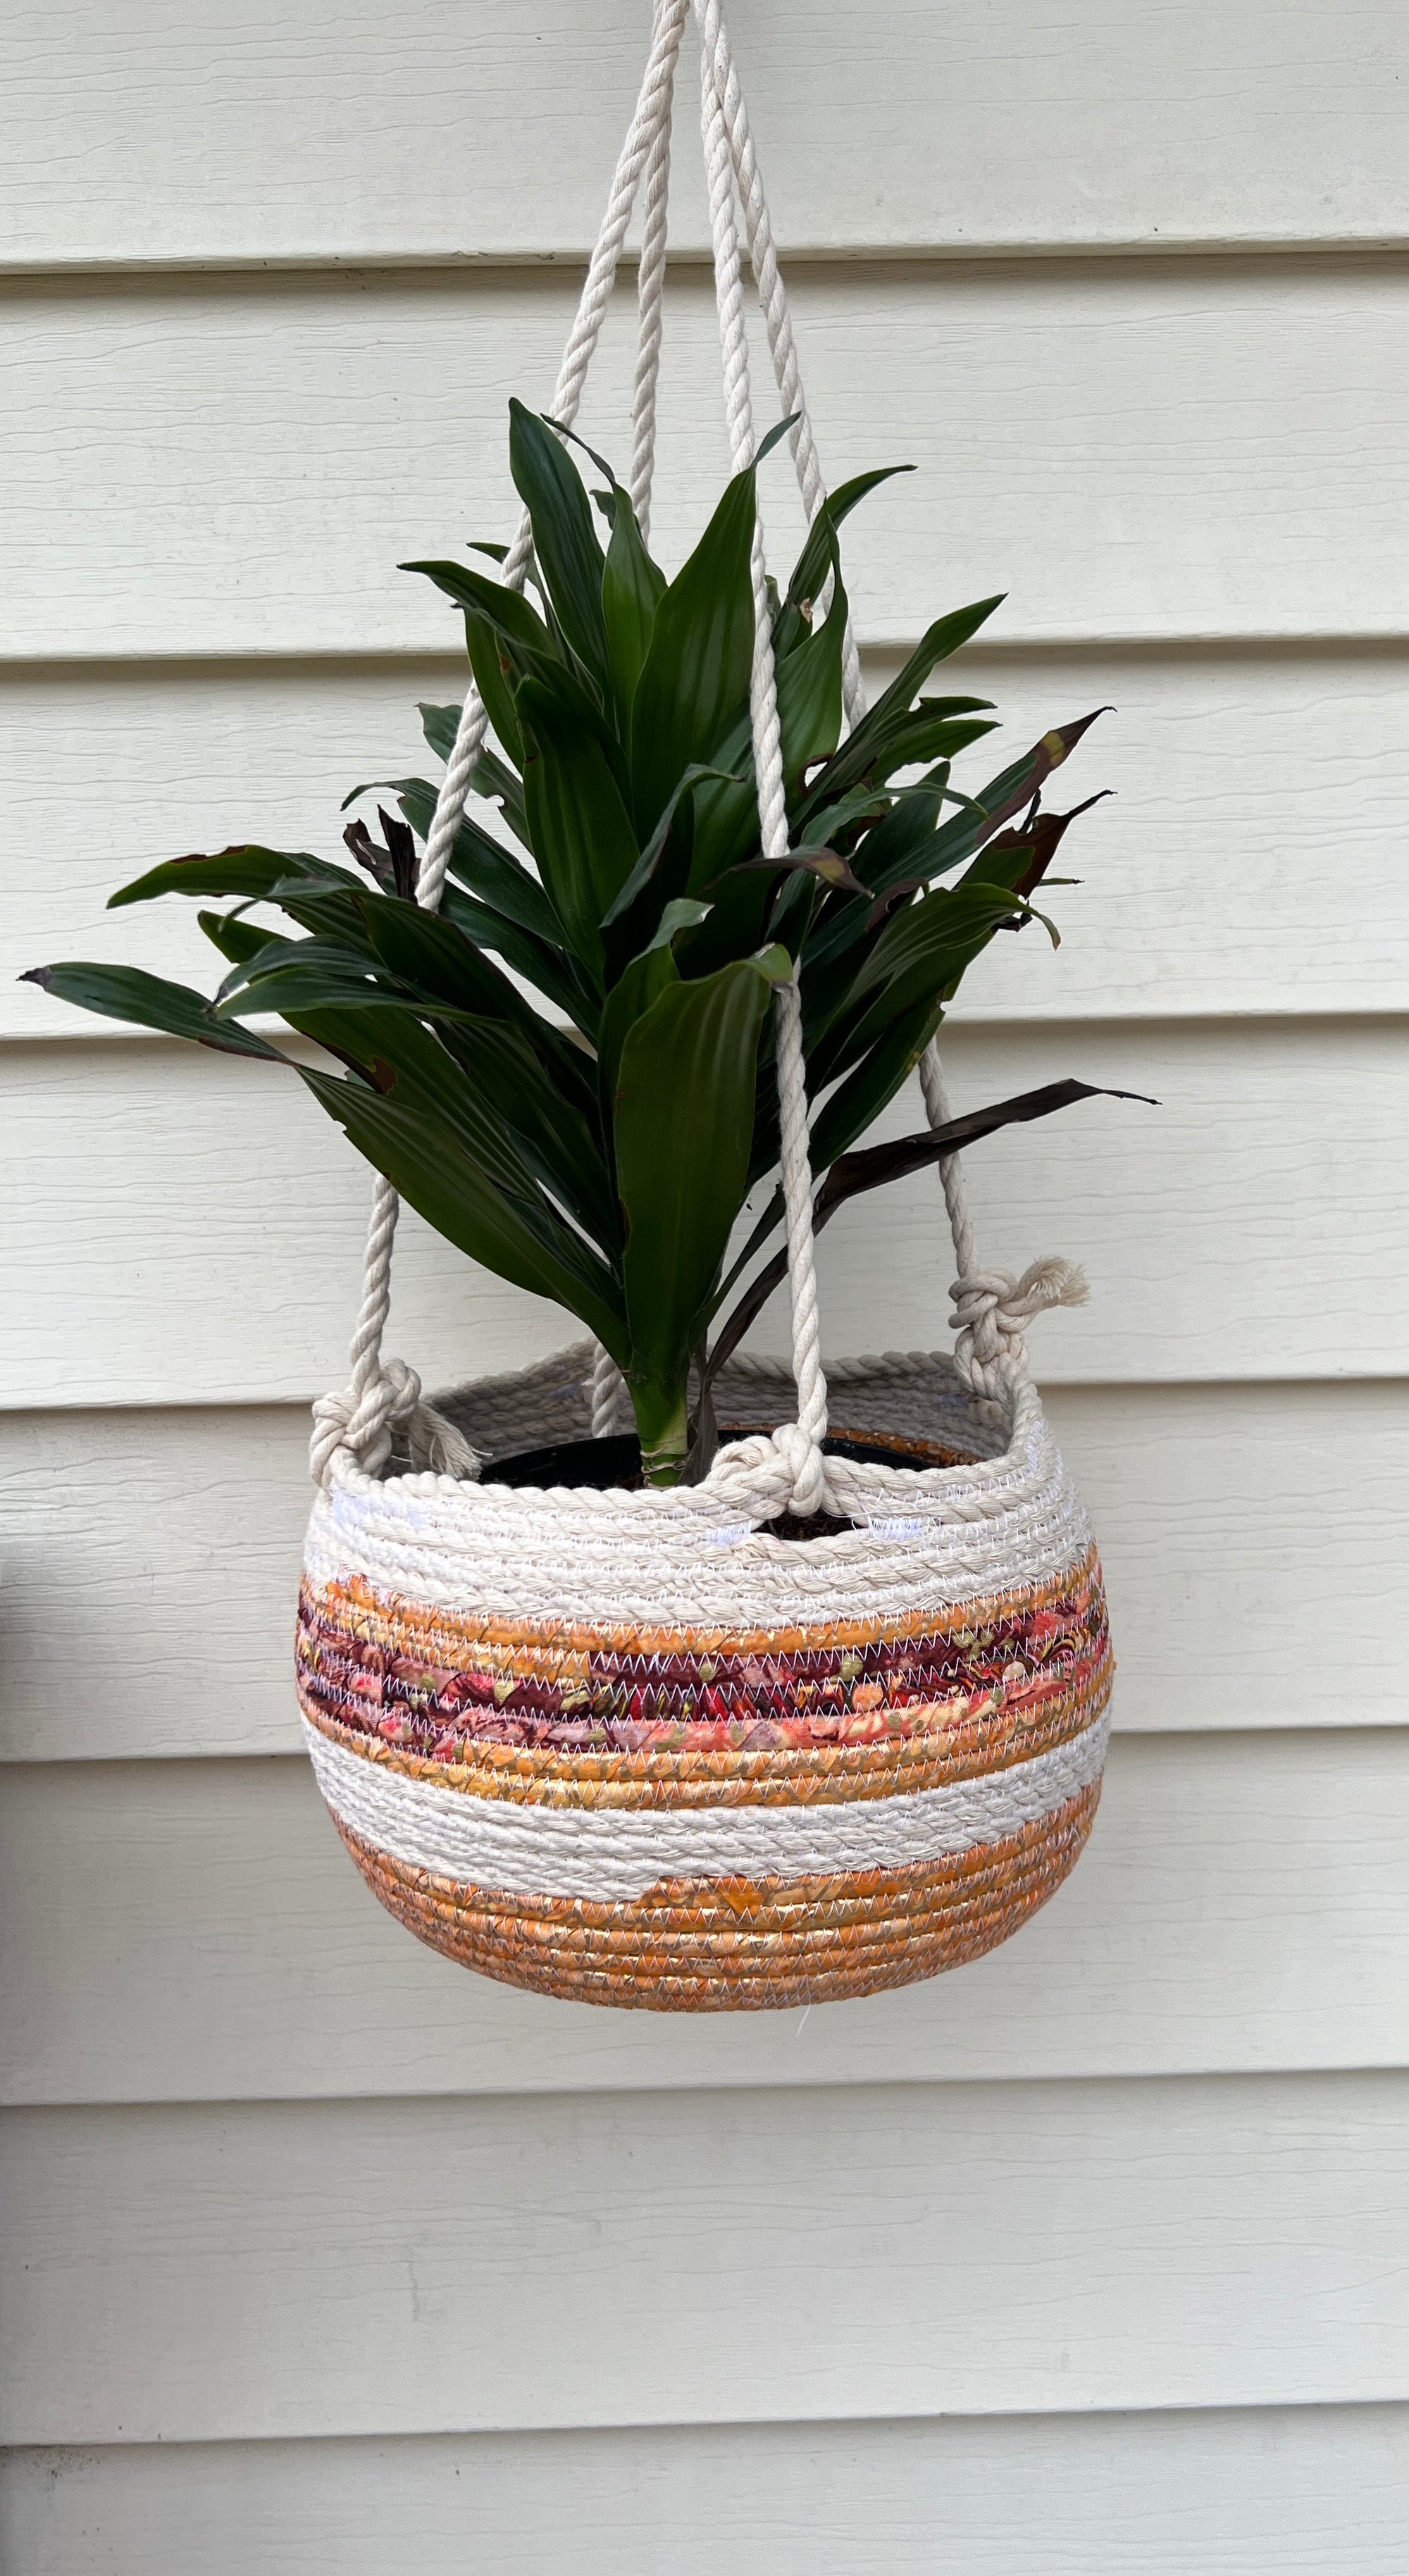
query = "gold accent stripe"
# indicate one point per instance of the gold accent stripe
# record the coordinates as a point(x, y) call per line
point(734, 1945)
point(775, 1776)
point(526, 1646)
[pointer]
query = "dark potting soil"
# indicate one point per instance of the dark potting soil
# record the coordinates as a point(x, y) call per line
point(617, 1462)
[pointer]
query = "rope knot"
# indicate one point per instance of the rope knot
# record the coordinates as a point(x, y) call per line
point(991, 1308)
point(365, 1425)
point(807, 1468)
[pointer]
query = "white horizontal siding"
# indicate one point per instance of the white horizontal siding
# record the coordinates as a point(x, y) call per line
point(490, 130)
point(1243, 1905)
point(278, 2182)
point(193, 1229)
point(265, 2269)
point(1212, 881)
point(1265, 2492)
point(1252, 1538)
point(215, 465)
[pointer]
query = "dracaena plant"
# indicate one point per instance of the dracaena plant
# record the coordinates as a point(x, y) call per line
point(569, 1068)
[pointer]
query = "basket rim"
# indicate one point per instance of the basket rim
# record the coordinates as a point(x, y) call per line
point(724, 1505)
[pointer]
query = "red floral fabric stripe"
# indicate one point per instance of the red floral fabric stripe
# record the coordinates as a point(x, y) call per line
point(433, 1685)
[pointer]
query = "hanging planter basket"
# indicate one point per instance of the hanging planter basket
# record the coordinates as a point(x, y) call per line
point(634, 1748)
point(642, 1747)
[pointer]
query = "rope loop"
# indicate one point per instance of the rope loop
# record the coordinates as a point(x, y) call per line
point(358, 1420)
point(365, 1425)
point(801, 1454)
point(787, 1469)
point(991, 1308)
point(771, 1473)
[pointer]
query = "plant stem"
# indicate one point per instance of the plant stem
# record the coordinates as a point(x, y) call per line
point(662, 1419)
point(704, 1446)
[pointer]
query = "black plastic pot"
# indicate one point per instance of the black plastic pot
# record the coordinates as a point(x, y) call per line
point(616, 1461)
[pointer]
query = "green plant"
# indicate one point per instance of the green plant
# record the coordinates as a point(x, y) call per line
point(594, 1137)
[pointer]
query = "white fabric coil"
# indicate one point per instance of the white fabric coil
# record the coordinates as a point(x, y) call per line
point(610, 1857)
point(924, 1540)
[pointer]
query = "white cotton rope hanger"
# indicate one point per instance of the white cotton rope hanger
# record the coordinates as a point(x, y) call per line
point(383, 1394)
point(608, 1399)
point(788, 1468)
point(990, 1307)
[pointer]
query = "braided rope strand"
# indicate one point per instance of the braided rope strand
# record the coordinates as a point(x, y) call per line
point(777, 314)
point(361, 1419)
point(990, 1306)
point(384, 1397)
point(951, 1169)
point(608, 1395)
point(650, 296)
point(799, 1442)
point(611, 1406)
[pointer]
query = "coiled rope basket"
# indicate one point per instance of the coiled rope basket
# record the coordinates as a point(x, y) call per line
point(633, 1747)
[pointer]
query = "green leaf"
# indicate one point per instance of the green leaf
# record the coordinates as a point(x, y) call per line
point(438, 1177)
point(695, 680)
point(851, 1108)
point(528, 642)
point(726, 826)
point(1013, 788)
point(440, 725)
point(325, 906)
point(774, 438)
point(498, 785)
point(292, 975)
point(288, 975)
point(810, 697)
point(236, 940)
point(919, 956)
point(829, 822)
point(644, 980)
point(895, 844)
point(819, 553)
point(649, 861)
point(738, 915)
point(514, 1077)
point(826, 866)
point(495, 679)
point(724, 809)
point(853, 762)
point(433, 956)
point(683, 1126)
point(632, 588)
point(544, 963)
point(149, 1002)
point(404, 1060)
point(491, 778)
point(938, 729)
point(582, 835)
point(930, 929)
point(528, 645)
point(401, 787)
point(853, 1173)
point(683, 913)
point(898, 850)
point(483, 865)
point(564, 536)
point(245, 870)
point(575, 438)
point(428, 953)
